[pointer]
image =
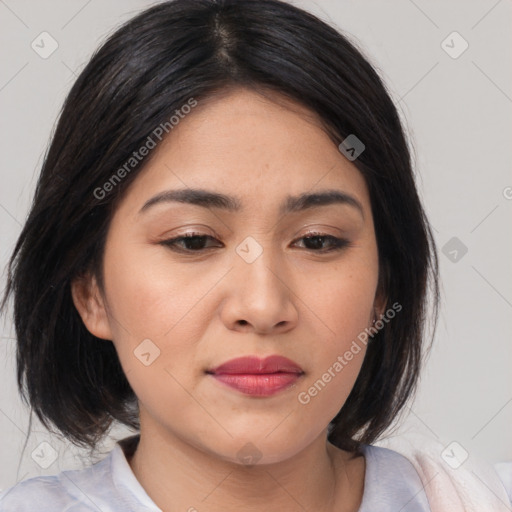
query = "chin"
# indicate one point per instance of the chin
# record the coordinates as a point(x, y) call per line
point(251, 450)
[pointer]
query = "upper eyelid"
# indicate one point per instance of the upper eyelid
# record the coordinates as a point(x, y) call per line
point(190, 234)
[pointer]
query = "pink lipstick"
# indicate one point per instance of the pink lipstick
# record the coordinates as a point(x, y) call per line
point(258, 377)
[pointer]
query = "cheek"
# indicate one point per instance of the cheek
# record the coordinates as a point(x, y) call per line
point(338, 359)
point(157, 316)
point(148, 295)
point(342, 296)
point(342, 301)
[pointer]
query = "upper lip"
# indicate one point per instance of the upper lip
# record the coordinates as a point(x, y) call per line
point(256, 365)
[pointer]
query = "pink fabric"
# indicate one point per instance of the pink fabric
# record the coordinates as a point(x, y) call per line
point(474, 486)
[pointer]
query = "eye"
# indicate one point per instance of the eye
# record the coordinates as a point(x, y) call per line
point(195, 242)
point(315, 242)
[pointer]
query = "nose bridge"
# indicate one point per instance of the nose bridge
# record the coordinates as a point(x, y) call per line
point(259, 294)
point(259, 268)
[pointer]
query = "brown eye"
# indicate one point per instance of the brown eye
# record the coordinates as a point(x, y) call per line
point(316, 242)
point(191, 242)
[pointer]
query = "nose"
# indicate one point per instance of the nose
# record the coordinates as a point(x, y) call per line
point(260, 297)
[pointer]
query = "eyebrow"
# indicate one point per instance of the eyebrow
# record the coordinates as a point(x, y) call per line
point(291, 204)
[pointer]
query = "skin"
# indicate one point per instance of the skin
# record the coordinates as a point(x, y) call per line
point(202, 309)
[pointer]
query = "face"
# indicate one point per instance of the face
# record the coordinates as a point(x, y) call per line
point(257, 279)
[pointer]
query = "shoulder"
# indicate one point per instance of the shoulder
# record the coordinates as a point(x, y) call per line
point(448, 481)
point(76, 490)
point(45, 491)
point(391, 482)
point(504, 471)
point(386, 458)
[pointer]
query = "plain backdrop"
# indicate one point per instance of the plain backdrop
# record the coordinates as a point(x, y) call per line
point(457, 109)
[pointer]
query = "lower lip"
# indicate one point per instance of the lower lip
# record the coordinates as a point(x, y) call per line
point(258, 384)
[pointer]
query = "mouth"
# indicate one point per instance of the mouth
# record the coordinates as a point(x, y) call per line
point(258, 377)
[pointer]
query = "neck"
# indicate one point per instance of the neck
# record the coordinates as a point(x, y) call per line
point(178, 476)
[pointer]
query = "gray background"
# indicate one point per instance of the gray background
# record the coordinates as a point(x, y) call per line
point(458, 113)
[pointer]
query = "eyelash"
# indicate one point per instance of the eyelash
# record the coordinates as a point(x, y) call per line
point(338, 244)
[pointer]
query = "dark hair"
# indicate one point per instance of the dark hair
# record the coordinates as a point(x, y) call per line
point(146, 70)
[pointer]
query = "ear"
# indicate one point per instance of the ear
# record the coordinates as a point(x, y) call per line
point(379, 305)
point(91, 306)
point(381, 299)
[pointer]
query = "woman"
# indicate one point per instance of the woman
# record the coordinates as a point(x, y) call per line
point(227, 253)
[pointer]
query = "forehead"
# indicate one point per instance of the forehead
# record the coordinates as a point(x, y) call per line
point(259, 149)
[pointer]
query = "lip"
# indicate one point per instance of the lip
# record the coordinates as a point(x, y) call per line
point(255, 365)
point(258, 377)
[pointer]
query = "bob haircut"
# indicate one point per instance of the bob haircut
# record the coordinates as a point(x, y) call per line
point(145, 71)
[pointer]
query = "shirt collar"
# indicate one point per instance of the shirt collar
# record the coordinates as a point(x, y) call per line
point(122, 475)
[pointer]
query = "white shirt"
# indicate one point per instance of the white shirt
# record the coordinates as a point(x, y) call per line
point(391, 484)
